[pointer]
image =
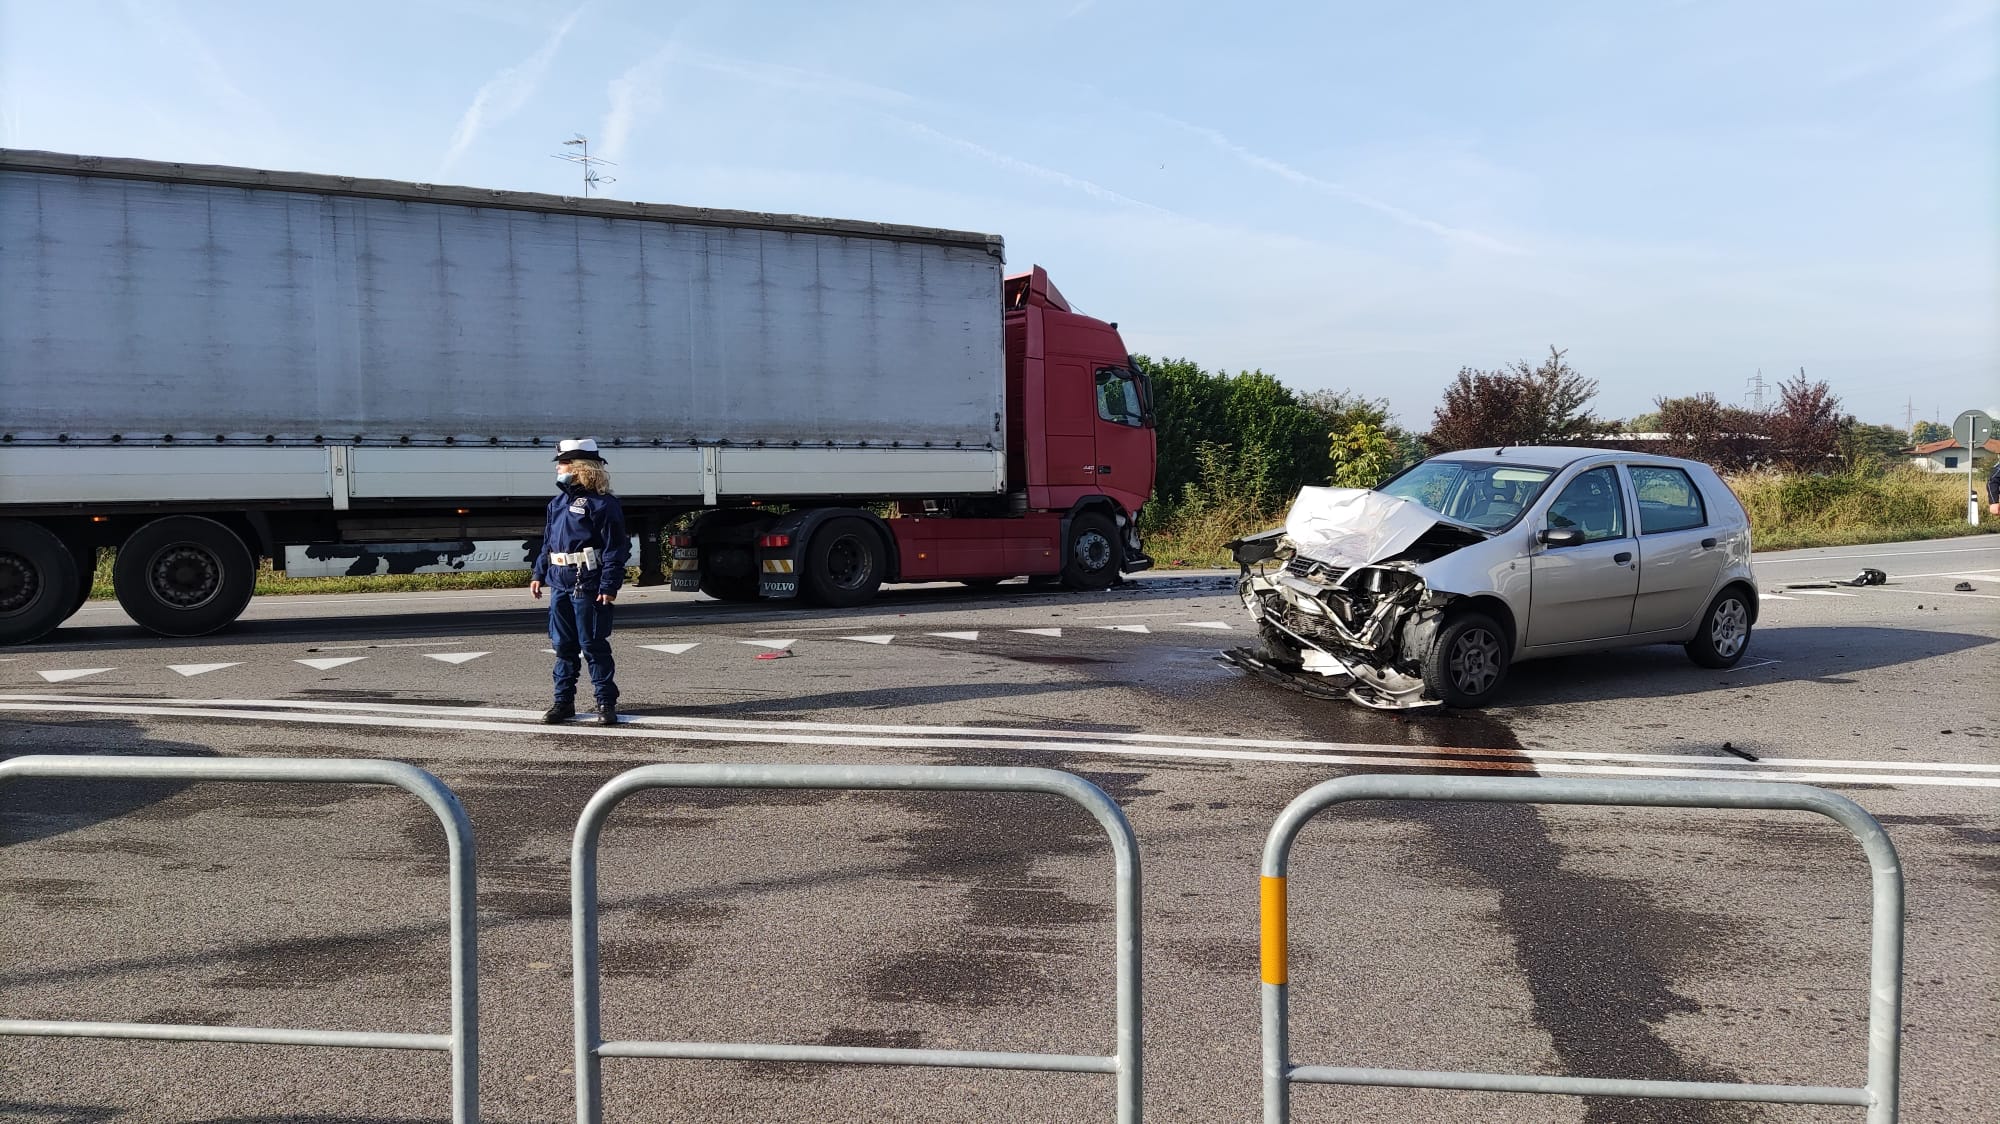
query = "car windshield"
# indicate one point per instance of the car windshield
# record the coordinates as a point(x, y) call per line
point(1485, 494)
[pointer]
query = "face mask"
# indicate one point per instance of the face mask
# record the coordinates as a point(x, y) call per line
point(565, 478)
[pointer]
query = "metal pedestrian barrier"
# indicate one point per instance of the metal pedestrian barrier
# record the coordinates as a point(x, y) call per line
point(1885, 973)
point(462, 1043)
point(591, 1049)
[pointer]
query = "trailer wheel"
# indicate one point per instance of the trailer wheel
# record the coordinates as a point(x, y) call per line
point(184, 576)
point(1094, 554)
point(38, 579)
point(845, 563)
point(86, 574)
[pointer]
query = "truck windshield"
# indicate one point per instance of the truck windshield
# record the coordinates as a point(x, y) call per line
point(1483, 494)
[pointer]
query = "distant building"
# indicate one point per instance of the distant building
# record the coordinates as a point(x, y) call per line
point(1949, 456)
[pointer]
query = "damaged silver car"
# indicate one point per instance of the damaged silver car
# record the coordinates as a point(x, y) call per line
point(1425, 590)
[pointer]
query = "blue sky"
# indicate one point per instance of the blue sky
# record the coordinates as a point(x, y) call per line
point(1346, 195)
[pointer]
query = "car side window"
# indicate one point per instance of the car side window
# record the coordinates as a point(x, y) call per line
point(1594, 504)
point(1668, 500)
point(1118, 397)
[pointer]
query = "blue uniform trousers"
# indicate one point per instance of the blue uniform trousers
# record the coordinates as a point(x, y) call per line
point(580, 627)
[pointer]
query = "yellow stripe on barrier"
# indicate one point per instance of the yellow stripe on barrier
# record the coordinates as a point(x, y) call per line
point(1273, 915)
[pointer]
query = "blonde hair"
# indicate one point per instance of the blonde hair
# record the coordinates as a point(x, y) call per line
point(592, 475)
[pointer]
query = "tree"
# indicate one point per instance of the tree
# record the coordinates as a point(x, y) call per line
point(1805, 426)
point(1644, 423)
point(1363, 456)
point(1869, 447)
point(1701, 428)
point(1925, 432)
point(1520, 405)
point(1246, 432)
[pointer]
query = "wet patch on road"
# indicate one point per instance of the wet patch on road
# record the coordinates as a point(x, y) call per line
point(63, 895)
point(315, 961)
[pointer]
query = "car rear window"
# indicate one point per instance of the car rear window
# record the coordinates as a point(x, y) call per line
point(1668, 500)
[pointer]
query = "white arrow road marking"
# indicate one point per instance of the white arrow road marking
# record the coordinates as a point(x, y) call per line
point(330, 662)
point(954, 635)
point(775, 645)
point(1216, 626)
point(882, 638)
point(1684, 766)
point(673, 649)
point(454, 657)
point(194, 669)
point(1055, 632)
point(1124, 628)
point(72, 673)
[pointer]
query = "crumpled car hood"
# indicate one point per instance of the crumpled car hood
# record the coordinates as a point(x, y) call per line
point(1349, 527)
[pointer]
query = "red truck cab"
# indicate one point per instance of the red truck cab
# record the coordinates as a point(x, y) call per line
point(1079, 466)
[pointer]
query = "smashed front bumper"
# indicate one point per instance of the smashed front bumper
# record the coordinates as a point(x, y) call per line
point(1357, 634)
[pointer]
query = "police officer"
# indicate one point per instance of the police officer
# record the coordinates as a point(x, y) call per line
point(1993, 489)
point(582, 564)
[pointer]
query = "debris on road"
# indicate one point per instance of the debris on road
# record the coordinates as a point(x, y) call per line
point(1964, 587)
point(1869, 576)
point(1730, 747)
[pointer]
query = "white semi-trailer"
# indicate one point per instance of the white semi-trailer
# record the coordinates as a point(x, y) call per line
point(205, 366)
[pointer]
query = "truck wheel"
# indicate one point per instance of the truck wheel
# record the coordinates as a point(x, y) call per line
point(845, 563)
point(184, 576)
point(38, 581)
point(1466, 661)
point(1094, 553)
point(86, 574)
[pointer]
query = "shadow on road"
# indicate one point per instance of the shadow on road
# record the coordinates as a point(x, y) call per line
point(39, 808)
point(1824, 654)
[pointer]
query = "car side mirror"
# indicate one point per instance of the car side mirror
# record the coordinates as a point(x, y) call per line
point(1561, 536)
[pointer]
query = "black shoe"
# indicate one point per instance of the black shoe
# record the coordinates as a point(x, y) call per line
point(607, 714)
point(559, 713)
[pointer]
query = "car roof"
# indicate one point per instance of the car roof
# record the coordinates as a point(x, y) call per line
point(1556, 457)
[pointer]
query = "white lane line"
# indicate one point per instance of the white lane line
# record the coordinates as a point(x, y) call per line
point(193, 669)
point(455, 657)
point(1823, 559)
point(331, 662)
point(954, 635)
point(878, 638)
point(65, 676)
point(796, 730)
point(1391, 756)
point(774, 645)
point(1123, 616)
point(1751, 664)
point(1818, 593)
point(372, 647)
point(1213, 626)
point(1054, 633)
point(1938, 593)
point(1774, 597)
point(671, 649)
point(1124, 628)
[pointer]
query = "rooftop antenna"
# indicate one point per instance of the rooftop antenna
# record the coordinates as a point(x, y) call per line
point(589, 163)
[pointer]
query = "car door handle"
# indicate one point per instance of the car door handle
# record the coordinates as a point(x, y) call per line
point(1623, 558)
point(1708, 544)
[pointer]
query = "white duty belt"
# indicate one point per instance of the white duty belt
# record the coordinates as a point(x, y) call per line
point(587, 559)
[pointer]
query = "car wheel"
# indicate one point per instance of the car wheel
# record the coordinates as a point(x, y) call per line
point(184, 576)
point(1724, 633)
point(1095, 554)
point(1467, 661)
point(38, 580)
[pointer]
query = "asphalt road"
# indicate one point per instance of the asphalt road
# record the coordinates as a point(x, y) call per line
point(1603, 942)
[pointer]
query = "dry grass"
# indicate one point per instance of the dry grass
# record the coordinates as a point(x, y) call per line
point(1790, 511)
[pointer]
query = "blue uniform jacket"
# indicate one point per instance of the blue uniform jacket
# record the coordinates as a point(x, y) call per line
point(578, 519)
